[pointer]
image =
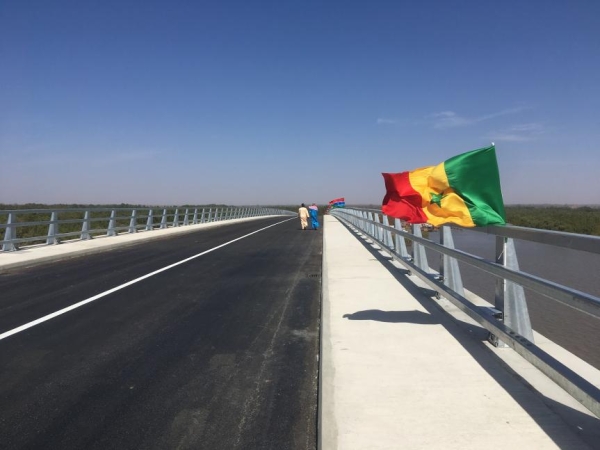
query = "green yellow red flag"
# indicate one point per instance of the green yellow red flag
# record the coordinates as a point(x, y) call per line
point(463, 190)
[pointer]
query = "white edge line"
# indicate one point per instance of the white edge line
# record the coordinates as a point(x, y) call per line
point(124, 285)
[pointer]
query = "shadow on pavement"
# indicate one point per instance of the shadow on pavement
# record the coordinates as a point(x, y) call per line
point(378, 315)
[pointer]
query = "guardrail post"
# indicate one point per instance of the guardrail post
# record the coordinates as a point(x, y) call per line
point(419, 255)
point(195, 219)
point(112, 223)
point(163, 220)
point(133, 221)
point(176, 218)
point(85, 227)
point(202, 216)
point(449, 270)
point(400, 243)
point(509, 296)
point(149, 221)
point(53, 229)
point(185, 218)
point(387, 233)
point(10, 235)
point(376, 228)
point(209, 215)
point(370, 227)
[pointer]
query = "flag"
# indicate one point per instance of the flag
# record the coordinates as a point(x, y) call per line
point(338, 202)
point(464, 190)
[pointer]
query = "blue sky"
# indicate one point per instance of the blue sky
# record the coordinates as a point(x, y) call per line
point(281, 102)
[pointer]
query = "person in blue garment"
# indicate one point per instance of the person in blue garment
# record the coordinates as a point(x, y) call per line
point(313, 210)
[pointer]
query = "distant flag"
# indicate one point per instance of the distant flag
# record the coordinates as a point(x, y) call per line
point(464, 190)
point(338, 202)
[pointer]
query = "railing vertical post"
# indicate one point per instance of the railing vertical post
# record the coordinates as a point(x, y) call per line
point(149, 224)
point(509, 296)
point(53, 229)
point(449, 270)
point(210, 213)
point(387, 233)
point(176, 218)
point(216, 215)
point(419, 255)
point(186, 220)
point(85, 227)
point(163, 220)
point(202, 216)
point(400, 243)
point(10, 235)
point(362, 224)
point(376, 227)
point(110, 231)
point(195, 219)
point(370, 227)
point(133, 221)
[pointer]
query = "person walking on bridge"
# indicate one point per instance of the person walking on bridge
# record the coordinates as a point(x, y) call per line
point(313, 210)
point(303, 215)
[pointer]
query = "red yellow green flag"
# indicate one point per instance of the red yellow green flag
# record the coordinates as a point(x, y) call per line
point(464, 190)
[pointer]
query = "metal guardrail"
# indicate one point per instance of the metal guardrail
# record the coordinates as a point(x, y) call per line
point(508, 322)
point(85, 223)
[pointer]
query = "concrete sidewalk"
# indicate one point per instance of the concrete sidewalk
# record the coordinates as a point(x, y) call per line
point(400, 373)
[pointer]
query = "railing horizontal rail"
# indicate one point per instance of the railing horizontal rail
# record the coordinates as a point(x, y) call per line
point(573, 298)
point(573, 241)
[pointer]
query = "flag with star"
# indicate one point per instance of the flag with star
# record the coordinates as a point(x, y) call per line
point(463, 190)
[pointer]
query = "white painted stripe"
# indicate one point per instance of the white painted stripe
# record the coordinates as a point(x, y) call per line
point(124, 285)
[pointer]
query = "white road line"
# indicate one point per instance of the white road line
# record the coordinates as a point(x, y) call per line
point(124, 285)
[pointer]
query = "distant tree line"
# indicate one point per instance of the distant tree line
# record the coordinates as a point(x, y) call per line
point(581, 220)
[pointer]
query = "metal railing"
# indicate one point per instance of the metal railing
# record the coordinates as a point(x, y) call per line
point(508, 321)
point(51, 226)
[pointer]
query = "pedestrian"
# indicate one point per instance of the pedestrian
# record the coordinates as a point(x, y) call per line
point(303, 215)
point(313, 210)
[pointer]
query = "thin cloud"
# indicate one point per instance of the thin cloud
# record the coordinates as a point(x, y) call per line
point(519, 133)
point(384, 121)
point(450, 119)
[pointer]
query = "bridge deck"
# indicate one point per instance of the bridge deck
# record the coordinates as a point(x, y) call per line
point(398, 372)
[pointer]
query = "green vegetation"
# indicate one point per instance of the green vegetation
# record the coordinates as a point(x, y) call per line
point(582, 220)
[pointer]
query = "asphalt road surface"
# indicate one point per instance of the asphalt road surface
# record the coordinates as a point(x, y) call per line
point(219, 351)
